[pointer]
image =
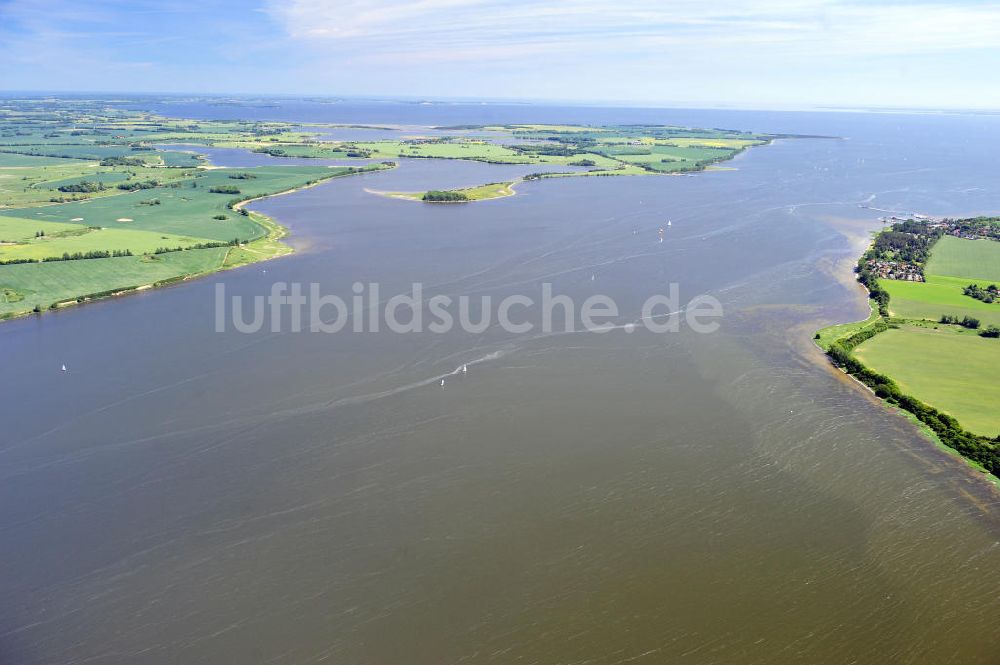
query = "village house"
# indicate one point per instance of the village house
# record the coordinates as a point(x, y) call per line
point(899, 270)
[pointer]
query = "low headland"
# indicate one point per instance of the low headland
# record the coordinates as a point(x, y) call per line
point(931, 346)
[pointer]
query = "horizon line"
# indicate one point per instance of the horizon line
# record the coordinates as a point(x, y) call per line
point(526, 101)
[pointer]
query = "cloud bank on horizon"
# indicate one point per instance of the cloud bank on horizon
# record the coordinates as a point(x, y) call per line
point(931, 53)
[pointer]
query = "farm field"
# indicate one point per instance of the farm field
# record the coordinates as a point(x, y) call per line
point(648, 150)
point(39, 185)
point(43, 284)
point(976, 260)
point(88, 183)
point(179, 215)
point(937, 296)
point(951, 369)
point(71, 238)
point(187, 206)
point(11, 160)
point(954, 263)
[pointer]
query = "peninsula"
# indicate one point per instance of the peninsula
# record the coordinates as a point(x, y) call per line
point(932, 343)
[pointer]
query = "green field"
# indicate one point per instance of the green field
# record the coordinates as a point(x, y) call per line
point(938, 295)
point(948, 367)
point(44, 284)
point(158, 206)
point(77, 151)
point(103, 176)
point(614, 150)
point(38, 185)
point(951, 369)
point(185, 215)
point(13, 229)
point(969, 259)
point(70, 238)
point(187, 207)
point(8, 160)
point(954, 264)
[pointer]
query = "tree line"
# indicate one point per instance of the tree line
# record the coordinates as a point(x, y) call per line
point(980, 449)
point(987, 295)
point(437, 195)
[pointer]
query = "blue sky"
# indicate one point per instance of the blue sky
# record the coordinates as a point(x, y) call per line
point(742, 53)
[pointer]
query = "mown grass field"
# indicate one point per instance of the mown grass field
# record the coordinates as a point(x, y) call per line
point(951, 369)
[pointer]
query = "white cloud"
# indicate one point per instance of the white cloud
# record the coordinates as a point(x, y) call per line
point(454, 30)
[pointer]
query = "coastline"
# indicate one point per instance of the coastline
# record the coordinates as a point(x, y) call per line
point(265, 248)
point(510, 186)
point(825, 337)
